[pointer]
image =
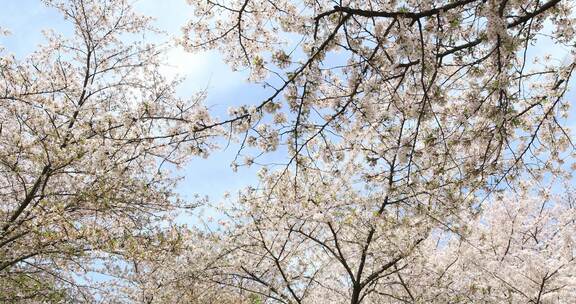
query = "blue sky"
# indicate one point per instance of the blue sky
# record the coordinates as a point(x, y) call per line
point(212, 177)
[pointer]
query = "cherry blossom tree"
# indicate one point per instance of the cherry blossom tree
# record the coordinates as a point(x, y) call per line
point(327, 243)
point(436, 93)
point(520, 250)
point(402, 121)
point(88, 126)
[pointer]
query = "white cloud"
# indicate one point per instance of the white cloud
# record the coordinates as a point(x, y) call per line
point(201, 70)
